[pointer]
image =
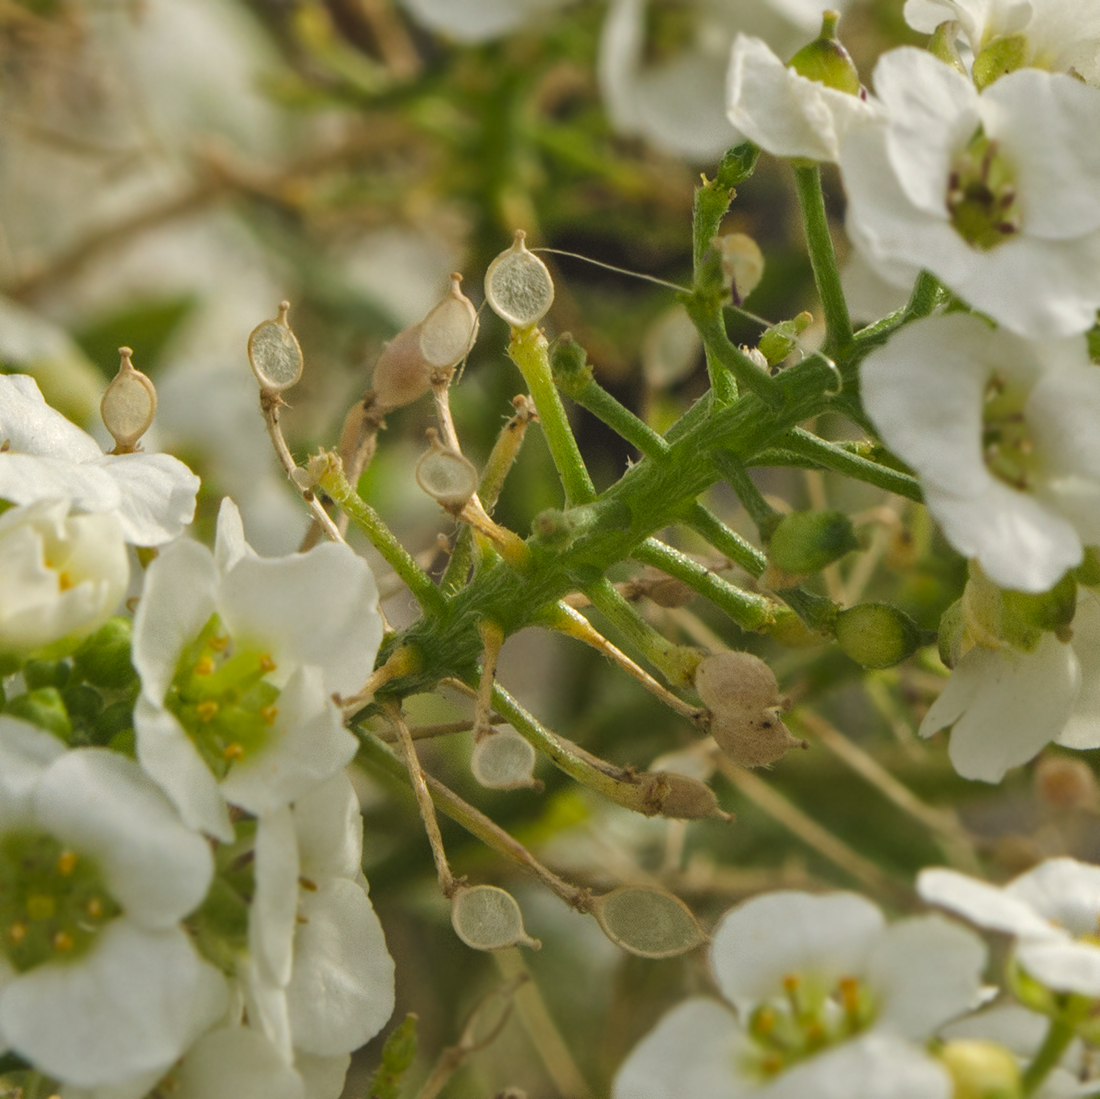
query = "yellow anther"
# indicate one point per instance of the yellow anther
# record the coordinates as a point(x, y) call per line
point(41, 906)
point(218, 644)
point(205, 666)
point(771, 1064)
point(849, 993)
point(63, 942)
point(64, 581)
point(66, 863)
point(94, 908)
point(17, 933)
point(307, 885)
point(233, 752)
point(792, 982)
point(266, 663)
point(269, 714)
point(206, 710)
point(764, 1022)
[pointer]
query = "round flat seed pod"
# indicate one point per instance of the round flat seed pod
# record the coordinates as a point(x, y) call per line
point(446, 476)
point(648, 922)
point(128, 405)
point(488, 918)
point(503, 760)
point(274, 353)
point(448, 332)
point(518, 286)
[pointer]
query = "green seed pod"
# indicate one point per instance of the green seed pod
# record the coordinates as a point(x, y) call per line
point(826, 60)
point(274, 354)
point(807, 541)
point(488, 918)
point(104, 658)
point(877, 635)
point(518, 287)
point(982, 1070)
point(445, 475)
point(650, 923)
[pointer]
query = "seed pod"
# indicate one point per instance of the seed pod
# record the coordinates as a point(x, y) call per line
point(128, 405)
point(650, 923)
point(876, 635)
point(518, 286)
point(742, 264)
point(488, 918)
point(681, 797)
point(737, 679)
point(401, 374)
point(448, 332)
point(274, 354)
point(826, 60)
point(503, 760)
point(1064, 783)
point(445, 475)
point(807, 541)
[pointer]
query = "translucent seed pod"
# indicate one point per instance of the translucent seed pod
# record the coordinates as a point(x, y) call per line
point(488, 918)
point(401, 374)
point(503, 760)
point(445, 475)
point(448, 332)
point(742, 264)
point(274, 353)
point(518, 286)
point(648, 922)
point(129, 405)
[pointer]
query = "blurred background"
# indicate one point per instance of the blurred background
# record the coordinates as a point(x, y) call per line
point(171, 169)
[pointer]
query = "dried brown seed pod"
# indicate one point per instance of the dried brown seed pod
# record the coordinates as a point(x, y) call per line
point(401, 374)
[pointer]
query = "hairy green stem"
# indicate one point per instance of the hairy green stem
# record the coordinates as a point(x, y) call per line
point(752, 499)
point(823, 453)
point(724, 540)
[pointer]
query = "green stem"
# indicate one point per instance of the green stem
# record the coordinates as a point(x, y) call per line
point(838, 324)
point(707, 318)
point(676, 662)
point(750, 611)
point(430, 598)
point(763, 514)
point(529, 351)
point(925, 295)
point(589, 394)
point(724, 540)
point(823, 453)
point(1058, 1037)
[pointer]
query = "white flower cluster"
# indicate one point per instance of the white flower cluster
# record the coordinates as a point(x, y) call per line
point(981, 178)
point(195, 919)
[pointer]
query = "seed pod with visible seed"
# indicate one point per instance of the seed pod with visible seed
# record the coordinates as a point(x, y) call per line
point(446, 475)
point(274, 354)
point(448, 332)
point(129, 405)
point(488, 918)
point(518, 287)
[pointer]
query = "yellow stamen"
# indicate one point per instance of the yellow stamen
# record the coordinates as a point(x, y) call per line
point(234, 752)
point(63, 942)
point(792, 982)
point(66, 863)
point(307, 885)
point(64, 581)
point(17, 933)
point(266, 663)
point(206, 710)
point(94, 908)
point(269, 714)
point(205, 666)
point(218, 644)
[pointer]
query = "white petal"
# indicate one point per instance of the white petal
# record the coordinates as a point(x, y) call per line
point(872, 1067)
point(168, 756)
point(230, 545)
point(478, 20)
point(25, 478)
point(341, 993)
point(330, 830)
point(1005, 705)
point(275, 903)
point(324, 1077)
point(235, 1063)
point(1064, 891)
point(156, 495)
point(25, 753)
point(926, 971)
point(1063, 410)
point(1062, 965)
point(30, 426)
point(101, 803)
point(983, 904)
point(760, 942)
point(177, 601)
point(316, 608)
point(308, 745)
point(126, 1008)
point(692, 1052)
point(1083, 727)
point(266, 1006)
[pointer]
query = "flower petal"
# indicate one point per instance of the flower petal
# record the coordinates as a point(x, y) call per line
point(25, 753)
point(235, 1063)
point(330, 830)
point(275, 901)
point(983, 904)
point(1064, 891)
point(1083, 727)
point(1062, 964)
point(156, 495)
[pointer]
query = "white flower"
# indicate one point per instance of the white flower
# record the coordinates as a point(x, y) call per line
point(63, 575)
point(1053, 911)
point(98, 982)
point(785, 113)
point(239, 657)
point(1058, 35)
point(829, 1002)
point(1002, 431)
point(1007, 705)
point(675, 99)
point(995, 193)
point(480, 20)
point(43, 456)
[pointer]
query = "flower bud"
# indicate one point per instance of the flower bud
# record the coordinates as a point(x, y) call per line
point(401, 374)
point(503, 760)
point(781, 339)
point(518, 286)
point(981, 1070)
point(104, 658)
point(650, 923)
point(876, 635)
point(128, 405)
point(446, 475)
point(826, 60)
point(807, 541)
point(274, 354)
point(486, 917)
point(448, 332)
point(1025, 616)
point(43, 707)
point(1000, 56)
point(952, 640)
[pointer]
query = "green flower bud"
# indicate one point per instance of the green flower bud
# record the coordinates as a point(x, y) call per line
point(876, 635)
point(952, 634)
point(569, 361)
point(999, 57)
point(44, 708)
point(115, 720)
point(809, 540)
point(782, 338)
point(104, 658)
point(45, 673)
point(826, 60)
point(982, 1070)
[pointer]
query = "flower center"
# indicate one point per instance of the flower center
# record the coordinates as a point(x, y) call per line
point(981, 194)
point(53, 901)
point(222, 699)
point(805, 1020)
point(1007, 443)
